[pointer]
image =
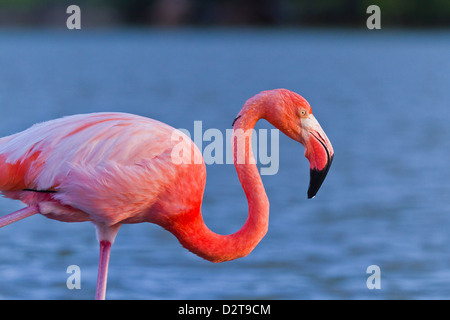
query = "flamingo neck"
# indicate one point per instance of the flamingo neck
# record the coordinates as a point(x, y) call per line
point(190, 228)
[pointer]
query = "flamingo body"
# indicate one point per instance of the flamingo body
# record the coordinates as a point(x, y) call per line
point(107, 168)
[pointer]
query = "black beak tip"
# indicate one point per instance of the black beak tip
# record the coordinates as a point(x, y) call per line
point(316, 179)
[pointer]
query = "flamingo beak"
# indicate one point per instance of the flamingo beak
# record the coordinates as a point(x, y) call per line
point(319, 152)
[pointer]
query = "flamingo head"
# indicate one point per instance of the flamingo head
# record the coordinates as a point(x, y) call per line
point(292, 114)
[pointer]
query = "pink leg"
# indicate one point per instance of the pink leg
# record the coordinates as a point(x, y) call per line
point(105, 249)
point(18, 215)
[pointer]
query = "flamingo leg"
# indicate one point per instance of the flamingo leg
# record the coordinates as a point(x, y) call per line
point(105, 249)
point(18, 215)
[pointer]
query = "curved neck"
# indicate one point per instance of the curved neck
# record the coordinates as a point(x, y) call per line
point(190, 228)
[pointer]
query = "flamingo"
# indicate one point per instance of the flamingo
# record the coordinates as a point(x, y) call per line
point(117, 168)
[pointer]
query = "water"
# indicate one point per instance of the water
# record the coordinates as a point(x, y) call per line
point(381, 96)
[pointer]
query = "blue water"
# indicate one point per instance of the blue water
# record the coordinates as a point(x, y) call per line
point(381, 96)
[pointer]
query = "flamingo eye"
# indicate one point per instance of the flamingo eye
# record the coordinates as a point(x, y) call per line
point(302, 112)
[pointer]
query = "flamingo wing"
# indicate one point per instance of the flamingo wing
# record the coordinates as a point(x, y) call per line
point(111, 166)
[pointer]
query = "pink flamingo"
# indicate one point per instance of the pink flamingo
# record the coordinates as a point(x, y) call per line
point(117, 168)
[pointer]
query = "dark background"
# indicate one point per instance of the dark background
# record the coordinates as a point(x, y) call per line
point(349, 13)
